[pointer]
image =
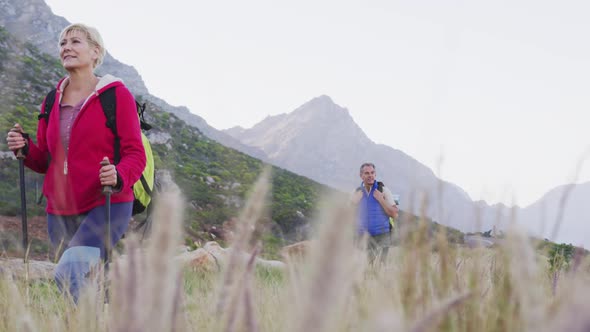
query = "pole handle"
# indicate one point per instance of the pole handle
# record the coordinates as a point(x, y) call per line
point(19, 153)
point(106, 189)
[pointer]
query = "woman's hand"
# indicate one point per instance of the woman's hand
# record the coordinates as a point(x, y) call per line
point(108, 174)
point(15, 138)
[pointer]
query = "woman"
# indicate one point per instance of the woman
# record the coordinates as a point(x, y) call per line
point(71, 144)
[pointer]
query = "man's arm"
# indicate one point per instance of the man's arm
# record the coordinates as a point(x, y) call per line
point(389, 208)
point(356, 197)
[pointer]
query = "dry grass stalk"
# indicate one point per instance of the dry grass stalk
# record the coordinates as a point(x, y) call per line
point(524, 272)
point(251, 322)
point(254, 209)
point(16, 309)
point(435, 316)
point(245, 293)
point(327, 281)
point(146, 296)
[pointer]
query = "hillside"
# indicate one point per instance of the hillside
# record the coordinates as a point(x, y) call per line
point(215, 179)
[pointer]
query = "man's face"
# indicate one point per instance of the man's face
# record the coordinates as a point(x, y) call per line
point(368, 175)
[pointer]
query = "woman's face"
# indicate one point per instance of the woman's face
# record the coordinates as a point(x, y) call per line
point(76, 53)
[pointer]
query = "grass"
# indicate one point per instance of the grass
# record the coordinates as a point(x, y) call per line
point(425, 284)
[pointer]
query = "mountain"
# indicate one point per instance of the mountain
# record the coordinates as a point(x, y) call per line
point(33, 22)
point(567, 206)
point(320, 140)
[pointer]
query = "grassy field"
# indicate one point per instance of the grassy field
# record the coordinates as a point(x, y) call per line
point(425, 284)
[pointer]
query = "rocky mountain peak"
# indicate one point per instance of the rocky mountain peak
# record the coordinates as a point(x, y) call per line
point(317, 124)
point(320, 108)
point(33, 21)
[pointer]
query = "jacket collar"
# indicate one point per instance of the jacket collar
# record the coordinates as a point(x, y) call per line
point(103, 83)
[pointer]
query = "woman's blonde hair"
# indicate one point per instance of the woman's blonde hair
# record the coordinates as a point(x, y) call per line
point(92, 36)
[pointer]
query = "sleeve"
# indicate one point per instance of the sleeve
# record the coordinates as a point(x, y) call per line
point(132, 152)
point(388, 196)
point(351, 195)
point(37, 158)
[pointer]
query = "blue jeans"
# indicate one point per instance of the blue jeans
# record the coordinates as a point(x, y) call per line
point(83, 238)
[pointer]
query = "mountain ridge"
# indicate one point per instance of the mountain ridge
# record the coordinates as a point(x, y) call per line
point(285, 139)
point(321, 140)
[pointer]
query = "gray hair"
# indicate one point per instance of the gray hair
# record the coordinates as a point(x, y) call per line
point(367, 164)
point(92, 36)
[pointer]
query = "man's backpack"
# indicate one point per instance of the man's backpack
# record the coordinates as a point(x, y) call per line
point(143, 188)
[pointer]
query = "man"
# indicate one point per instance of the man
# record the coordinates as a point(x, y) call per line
point(375, 205)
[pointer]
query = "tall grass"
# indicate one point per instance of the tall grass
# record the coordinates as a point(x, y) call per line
point(425, 284)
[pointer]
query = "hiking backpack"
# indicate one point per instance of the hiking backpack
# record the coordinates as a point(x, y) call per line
point(143, 188)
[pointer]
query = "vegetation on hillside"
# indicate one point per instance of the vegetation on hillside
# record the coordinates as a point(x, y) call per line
point(215, 179)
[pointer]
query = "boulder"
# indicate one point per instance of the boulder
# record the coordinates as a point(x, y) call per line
point(199, 259)
point(297, 251)
point(37, 270)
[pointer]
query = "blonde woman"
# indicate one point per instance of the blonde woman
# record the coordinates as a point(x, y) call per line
point(72, 140)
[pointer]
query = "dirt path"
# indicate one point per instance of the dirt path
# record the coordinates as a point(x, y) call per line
point(37, 226)
point(11, 237)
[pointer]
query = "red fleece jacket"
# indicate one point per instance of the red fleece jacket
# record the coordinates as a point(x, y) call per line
point(72, 184)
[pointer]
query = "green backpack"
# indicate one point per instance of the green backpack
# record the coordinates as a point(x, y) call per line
point(143, 188)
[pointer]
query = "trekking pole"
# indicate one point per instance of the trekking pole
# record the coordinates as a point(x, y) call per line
point(107, 190)
point(23, 195)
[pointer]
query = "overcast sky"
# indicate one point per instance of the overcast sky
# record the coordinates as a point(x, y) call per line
point(494, 96)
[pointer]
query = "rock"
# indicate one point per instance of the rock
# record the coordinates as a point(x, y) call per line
point(209, 258)
point(222, 253)
point(38, 270)
point(270, 263)
point(159, 137)
point(297, 250)
point(215, 249)
point(199, 259)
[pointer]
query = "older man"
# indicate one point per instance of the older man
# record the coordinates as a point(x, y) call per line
point(375, 206)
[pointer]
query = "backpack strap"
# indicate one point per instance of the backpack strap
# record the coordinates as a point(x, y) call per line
point(145, 185)
point(108, 102)
point(49, 101)
point(48, 106)
point(380, 186)
point(140, 109)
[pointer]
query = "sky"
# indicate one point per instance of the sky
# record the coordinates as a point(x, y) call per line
point(493, 96)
